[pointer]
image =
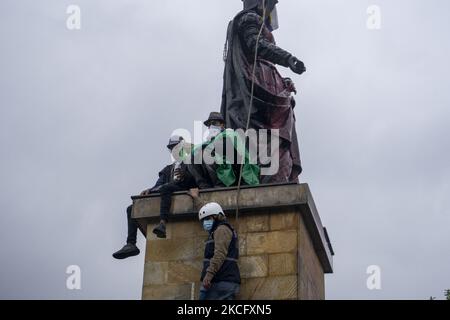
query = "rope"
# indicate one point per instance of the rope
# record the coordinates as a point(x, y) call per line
point(249, 113)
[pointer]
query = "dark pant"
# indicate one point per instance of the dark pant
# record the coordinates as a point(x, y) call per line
point(132, 227)
point(166, 191)
point(205, 175)
point(223, 290)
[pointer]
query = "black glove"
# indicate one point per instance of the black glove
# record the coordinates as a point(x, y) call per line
point(296, 65)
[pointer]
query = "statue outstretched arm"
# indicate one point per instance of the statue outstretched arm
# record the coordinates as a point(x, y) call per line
point(249, 27)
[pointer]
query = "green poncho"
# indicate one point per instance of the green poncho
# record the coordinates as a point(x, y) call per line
point(224, 171)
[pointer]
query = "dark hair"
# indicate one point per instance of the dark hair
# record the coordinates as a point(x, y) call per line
point(220, 217)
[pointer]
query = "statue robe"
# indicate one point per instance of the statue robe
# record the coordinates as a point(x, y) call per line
point(273, 104)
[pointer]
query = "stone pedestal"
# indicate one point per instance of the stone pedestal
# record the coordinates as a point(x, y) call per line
point(284, 250)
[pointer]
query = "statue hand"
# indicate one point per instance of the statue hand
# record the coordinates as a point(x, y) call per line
point(290, 86)
point(296, 65)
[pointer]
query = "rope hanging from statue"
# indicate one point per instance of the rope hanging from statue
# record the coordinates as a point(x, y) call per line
point(249, 111)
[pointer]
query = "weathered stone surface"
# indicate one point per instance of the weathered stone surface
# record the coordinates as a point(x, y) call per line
point(143, 207)
point(240, 227)
point(311, 277)
point(262, 196)
point(258, 200)
point(258, 223)
point(283, 220)
point(153, 237)
point(269, 288)
point(186, 229)
point(168, 292)
point(170, 250)
point(179, 272)
point(282, 255)
point(196, 290)
point(283, 264)
point(155, 273)
point(242, 244)
point(272, 242)
point(178, 229)
point(199, 247)
point(254, 266)
point(254, 223)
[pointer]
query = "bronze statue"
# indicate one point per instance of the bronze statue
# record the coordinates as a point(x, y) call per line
point(273, 104)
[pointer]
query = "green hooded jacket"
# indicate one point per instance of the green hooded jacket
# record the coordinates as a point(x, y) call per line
point(224, 171)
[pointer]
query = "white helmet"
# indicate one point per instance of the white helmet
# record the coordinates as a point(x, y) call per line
point(210, 209)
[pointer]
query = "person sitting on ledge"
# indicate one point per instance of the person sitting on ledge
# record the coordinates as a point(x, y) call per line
point(172, 178)
point(224, 169)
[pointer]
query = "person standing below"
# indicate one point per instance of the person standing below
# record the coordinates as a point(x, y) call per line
point(220, 275)
point(172, 178)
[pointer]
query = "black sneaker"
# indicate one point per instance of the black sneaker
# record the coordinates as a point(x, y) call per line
point(129, 250)
point(160, 230)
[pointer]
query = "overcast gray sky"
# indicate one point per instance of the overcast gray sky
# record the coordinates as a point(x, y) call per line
point(85, 115)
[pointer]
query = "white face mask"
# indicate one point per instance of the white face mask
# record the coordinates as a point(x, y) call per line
point(213, 131)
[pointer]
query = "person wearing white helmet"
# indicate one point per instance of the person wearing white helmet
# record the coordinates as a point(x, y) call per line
point(220, 275)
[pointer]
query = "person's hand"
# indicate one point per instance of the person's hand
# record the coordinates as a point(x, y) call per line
point(296, 65)
point(194, 193)
point(207, 282)
point(145, 192)
point(290, 86)
point(179, 175)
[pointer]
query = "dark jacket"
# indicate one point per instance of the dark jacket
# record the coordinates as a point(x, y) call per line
point(166, 175)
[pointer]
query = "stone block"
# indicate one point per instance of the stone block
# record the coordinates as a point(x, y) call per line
point(185, 229)
point(180, 272)
point(252, 223)
point(271, 242)
point(269, 288)
point(155, 273)
point(283, 221)
point(199, 247)
point(283, 264)
point(257, 223)
point(254, 266)
point(311, 283)
point(240, 227)
point(168, 292)
point(170, 249)
point(242, 244)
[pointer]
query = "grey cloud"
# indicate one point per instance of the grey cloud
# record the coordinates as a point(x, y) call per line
point(85, 115)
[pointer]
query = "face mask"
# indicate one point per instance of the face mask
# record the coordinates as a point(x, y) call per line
point(208, 224)
point(213, 131)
